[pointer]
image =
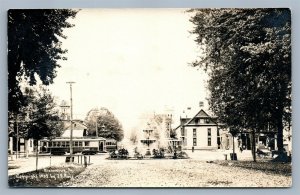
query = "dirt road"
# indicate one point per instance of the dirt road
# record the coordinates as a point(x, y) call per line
point(173, 173)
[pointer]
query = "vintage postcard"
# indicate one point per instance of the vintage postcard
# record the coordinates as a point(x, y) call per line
point(129, 98)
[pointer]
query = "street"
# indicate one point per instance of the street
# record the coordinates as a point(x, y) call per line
point(173, 173)
point(197, 171)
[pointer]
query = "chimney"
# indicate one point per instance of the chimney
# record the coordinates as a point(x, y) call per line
point(201, 104)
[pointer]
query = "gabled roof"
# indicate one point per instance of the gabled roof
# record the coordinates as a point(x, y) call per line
point(78, 129)
point(76, 125)
point(201, 115)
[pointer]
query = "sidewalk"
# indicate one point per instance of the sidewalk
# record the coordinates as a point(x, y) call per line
point(207, 155)
point(24, 164)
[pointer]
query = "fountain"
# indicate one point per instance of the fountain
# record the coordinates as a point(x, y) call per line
point(148, 141)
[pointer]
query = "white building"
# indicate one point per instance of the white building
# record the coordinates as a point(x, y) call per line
point(199, 132)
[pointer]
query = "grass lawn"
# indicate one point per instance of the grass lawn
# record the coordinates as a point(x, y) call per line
point(264, 166)
point(48, 177)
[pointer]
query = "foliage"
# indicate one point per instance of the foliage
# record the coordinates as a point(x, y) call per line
point(104, 118)
point(45, 121)
point(34, 48)
point(158, 153)
point(133, 136)
point(40, 117)
point(234, 132)
point(160, 123)
point(247, 54)
point(120, 154)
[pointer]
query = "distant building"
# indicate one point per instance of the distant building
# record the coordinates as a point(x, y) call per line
point(202, 131)
point(199, 132)
point(79, 129)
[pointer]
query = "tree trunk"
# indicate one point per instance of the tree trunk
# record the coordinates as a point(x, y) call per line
point(280, 135)
point(37, 156)
point(233, 146)
point(282, 155)
point(253, 148)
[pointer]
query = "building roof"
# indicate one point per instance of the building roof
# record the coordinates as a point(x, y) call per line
point(77, 124)
point(201, 115)
point(78, 129)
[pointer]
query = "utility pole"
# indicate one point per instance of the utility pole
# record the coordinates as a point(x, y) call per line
point(71, 120)
point(96, 128)
point(96, 114)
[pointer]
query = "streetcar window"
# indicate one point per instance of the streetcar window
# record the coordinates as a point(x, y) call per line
point(63, 144)
point(50, 144)
point(76, 143)
point(67, 144)
point(87, 143)
point(80, 143)
point(58, 144)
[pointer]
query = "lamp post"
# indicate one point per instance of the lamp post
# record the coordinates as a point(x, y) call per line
point(71, 120)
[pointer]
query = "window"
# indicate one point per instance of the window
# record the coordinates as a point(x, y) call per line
point(207, 120)
point(194, 132)
point(196, 120)
point(67, 144)
point(209, 132)
point(87, 143)
point(80, 143)
point(209, 141)
point(76, 143)
point(208, 136)
point(194, 141)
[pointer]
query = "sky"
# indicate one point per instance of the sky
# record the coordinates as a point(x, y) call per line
point(131, 61)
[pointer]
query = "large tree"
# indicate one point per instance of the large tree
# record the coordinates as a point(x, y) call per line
point(44, 120)
point(40, 117)
point(34, 48)
point(107, 125)
point(247, 53)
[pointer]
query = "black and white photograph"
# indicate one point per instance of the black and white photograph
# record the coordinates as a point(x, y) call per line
point(149, 98)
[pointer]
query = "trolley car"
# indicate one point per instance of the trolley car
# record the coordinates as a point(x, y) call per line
point(84, 145)
point(111, 145)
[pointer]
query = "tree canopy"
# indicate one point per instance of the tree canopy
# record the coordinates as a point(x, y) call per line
point(108, 125)
point(247, 54)
point(39, 118)
point(34, 48)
